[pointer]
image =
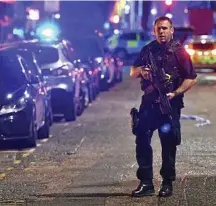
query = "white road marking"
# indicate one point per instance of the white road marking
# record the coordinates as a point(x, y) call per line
point(133, 164)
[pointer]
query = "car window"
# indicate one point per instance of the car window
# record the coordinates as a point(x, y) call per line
point(128, 36)
point(28, 62)
point(10, 70)
point(46, 55)
point(69, 51)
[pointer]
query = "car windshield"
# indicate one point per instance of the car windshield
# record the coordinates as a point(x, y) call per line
point(46, 55)
point(85, 49)
point(11, 71)
point(200, 46)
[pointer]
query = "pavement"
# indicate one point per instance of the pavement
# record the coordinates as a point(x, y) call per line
point(92, 161)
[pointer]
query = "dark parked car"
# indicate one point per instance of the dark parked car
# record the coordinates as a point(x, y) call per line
point(59, 72)
point(35, 70)
point(22, 100)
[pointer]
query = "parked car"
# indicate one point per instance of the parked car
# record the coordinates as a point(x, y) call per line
point(116, 63)
point(127, 43)
point(87, 83)
point(90, 49)
point(67, 96)
point(90, 76)
point(35, 70)
point(22, 100)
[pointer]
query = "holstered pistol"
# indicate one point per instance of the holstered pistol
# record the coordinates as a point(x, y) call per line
point(134, 120)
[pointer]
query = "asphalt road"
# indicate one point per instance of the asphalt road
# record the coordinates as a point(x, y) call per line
point(92, 161)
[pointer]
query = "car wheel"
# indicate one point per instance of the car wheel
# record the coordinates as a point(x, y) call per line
point(32, 140)
point(43, 132)
point(104, 85)
point(86, 96)
point(81, 103)
point(120, 77)
point(70, 110)
point(90, 92)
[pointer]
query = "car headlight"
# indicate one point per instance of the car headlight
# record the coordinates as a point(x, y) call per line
point(14, 107)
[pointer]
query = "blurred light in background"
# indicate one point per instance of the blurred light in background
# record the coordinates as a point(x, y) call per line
point(106, 25)
point(153, 11)
point(18, 32)
point(127, 9)
point(57, 16)
point(168, 2)
point(116, 31)
point(32, 33)
point(169, 15)
point(48, 31)
point(115, 19)
point(33, 14)
point(203, 41)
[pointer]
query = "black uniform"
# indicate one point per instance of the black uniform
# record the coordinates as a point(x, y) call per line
point(177, 63)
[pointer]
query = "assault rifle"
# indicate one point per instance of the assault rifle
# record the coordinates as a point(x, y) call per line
point(157, 78)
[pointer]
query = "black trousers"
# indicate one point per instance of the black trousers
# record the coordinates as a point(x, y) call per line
point(151, 119)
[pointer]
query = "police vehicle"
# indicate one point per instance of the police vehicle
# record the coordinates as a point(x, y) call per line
point(128, 43)
point(202, 50)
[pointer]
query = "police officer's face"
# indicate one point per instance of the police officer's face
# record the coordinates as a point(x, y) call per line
point(163, 31)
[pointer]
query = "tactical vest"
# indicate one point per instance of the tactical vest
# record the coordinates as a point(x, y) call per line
point(166, 59)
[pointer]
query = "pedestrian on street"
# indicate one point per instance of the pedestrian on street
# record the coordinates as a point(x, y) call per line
point(176, 66)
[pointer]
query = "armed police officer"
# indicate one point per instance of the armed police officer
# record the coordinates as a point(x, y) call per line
point(166, 73)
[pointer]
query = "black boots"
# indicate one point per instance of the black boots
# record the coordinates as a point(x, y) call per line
point(144, 189)
point(166, 189)
point(147, 189)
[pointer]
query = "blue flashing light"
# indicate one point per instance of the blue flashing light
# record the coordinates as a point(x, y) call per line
point(18, 32)
point(48, 31)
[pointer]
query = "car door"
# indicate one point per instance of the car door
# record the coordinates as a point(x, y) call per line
point(38, 91)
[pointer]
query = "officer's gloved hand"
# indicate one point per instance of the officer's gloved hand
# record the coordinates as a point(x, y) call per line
point(146, 73)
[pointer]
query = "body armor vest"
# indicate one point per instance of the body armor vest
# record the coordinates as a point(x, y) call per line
point(166, 60)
